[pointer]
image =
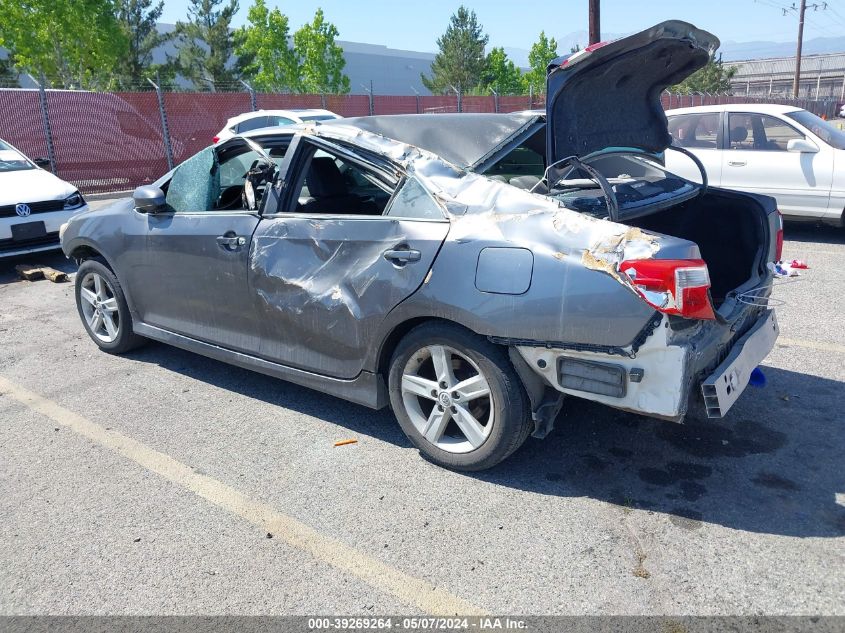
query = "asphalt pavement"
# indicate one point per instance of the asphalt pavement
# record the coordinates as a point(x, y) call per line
point(164, 482)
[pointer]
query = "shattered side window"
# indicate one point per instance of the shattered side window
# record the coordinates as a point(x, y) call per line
point(413, 201)
point(195, 185)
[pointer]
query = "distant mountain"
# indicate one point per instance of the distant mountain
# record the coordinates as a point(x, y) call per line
point(565, 44)
point(730, 50)
point(733, 51)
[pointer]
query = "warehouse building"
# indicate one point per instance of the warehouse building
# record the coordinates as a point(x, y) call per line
point(822, 77)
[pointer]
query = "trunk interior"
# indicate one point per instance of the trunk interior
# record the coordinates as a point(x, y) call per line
point(729, 231)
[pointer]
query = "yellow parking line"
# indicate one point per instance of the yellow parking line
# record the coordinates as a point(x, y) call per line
point(410, 590)
point(819, 345)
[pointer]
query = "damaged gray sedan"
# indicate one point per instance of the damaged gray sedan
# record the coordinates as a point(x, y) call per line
point(470, 271)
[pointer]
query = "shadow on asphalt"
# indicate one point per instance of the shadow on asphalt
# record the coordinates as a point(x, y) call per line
point(771, 466)
point(380, 424)
point(809, 232)
point(774, 465)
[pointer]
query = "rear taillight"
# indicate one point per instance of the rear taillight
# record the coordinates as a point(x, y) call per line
point(779, 241)
point(672, 286)
point(216, 139)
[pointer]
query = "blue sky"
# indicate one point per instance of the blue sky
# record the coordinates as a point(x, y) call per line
point(415, 24)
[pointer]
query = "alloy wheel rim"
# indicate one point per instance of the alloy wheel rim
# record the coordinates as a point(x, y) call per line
point(99, 307)
point(447, 398)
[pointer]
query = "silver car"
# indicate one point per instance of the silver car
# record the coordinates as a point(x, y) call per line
point(474, 272)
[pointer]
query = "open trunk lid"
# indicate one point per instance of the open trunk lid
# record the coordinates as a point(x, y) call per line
point(608, 95)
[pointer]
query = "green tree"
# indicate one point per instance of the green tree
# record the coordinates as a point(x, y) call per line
point(502, 75)
point(265, 57)
point(5, 67)
point(74, 44)
point(138, 20)
point(542, 52)
point(714, 77)
point(205, 43)
point(319, 57)
point(460, 62)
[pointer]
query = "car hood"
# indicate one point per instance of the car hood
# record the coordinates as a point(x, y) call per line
point(609, 93)
point(32, 185)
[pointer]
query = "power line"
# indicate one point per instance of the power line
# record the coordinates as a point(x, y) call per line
point(773, 5)
point(822, 30)
point(838, 17)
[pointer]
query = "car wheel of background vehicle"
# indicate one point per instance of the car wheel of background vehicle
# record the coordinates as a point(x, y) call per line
point(457, 397)
point(103, 309)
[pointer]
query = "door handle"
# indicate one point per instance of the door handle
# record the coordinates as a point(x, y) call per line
point(736, 163)
point(402, 255)
point(230, 242)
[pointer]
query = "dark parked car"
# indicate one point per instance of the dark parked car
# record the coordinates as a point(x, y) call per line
point(467, 270)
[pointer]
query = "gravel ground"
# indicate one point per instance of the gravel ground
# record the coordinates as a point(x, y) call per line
point(164, 482)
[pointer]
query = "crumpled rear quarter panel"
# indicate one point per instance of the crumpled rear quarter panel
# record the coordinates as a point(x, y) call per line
point(575, 294)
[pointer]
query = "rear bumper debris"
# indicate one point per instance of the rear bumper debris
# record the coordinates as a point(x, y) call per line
point(658, 379)
point(724, 386)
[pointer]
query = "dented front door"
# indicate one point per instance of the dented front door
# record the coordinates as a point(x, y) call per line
point(193, 277)
point(324, 284)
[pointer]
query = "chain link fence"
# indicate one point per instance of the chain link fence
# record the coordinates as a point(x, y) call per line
point(116, 141)
point(827, 108)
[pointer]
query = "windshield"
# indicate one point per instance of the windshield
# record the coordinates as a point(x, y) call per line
point(12, 160)
point(821, 128)
point(638, 182)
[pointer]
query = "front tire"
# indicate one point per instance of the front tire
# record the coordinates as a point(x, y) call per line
point(457, 397)
point(103, 309)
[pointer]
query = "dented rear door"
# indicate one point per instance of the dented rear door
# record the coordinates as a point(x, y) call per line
point(323, 284)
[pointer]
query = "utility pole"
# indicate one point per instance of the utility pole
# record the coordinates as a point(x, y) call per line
point(797, 81)
point(801, 10)
point(595, 21)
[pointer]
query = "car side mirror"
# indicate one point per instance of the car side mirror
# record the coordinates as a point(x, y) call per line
point(43, 163)
point(149, 199)
point(802, 145)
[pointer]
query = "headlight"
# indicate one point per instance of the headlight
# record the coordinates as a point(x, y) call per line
point(62, 230)
point(74, 201)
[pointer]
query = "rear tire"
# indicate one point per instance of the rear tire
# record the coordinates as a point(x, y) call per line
point(457, 397)
point(103, 309)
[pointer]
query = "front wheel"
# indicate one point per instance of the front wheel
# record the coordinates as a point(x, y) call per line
point(103, 308)
point(457, 397)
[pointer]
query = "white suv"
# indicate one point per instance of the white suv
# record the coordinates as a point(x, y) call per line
point(33, 204)
point(270, 118)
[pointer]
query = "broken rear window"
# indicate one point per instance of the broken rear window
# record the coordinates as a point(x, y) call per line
point(638, 182)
